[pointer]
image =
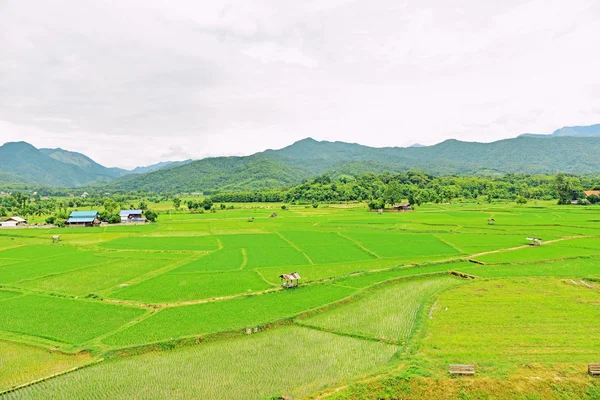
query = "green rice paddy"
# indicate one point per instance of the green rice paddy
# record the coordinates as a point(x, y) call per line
point(375, 296)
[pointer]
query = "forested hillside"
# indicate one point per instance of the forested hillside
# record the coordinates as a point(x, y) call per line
point(308, 158)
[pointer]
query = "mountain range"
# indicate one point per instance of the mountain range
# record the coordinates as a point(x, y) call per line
point(569, 149)
point(20, 162)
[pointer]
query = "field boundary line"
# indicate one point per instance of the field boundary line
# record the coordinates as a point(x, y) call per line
point(219, 243)
point(55, 375)
point(295, 247)
point(98, 339)
point(448, 243)
point(350, 335)
point(525, 246)
point(147, 276)
point(245, 259)
point(359, 245)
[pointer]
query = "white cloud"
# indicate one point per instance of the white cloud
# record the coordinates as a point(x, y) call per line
point(235, 77)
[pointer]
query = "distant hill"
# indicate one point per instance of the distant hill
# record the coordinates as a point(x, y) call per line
point(579, 131)
point(157, 166)
point(85, 163)
point(20, 162)
point(24, 162)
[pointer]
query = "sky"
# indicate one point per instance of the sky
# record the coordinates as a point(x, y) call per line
point(134, 82)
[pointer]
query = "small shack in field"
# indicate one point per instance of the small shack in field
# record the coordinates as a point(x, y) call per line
point(534, 241)
point(13, 222)
point(491, 221)
point(402, 207)
point(132, 216)
point(83, 218)
point(290, 280)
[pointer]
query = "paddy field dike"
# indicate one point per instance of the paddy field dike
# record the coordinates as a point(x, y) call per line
point(192, 306)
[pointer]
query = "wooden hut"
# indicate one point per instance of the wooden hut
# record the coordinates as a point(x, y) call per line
point(402, 207)
point(491, 221)
point(289, 281)
point(13, 222)
point(534, 241)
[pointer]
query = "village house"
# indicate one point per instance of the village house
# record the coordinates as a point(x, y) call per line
point(83, 218)
point(589, 193)
point(13, 222)
point(132, 216)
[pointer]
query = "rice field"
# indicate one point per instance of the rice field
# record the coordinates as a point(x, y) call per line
point(375, 294)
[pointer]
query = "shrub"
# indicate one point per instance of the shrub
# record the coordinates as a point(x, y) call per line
point(114, 219)
point(151, 215)
point(51, 219)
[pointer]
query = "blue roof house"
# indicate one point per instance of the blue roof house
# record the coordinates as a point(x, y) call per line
point(83, 218)
point(132, 216)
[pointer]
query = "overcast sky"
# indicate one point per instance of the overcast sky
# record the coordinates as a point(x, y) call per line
point(136, 82)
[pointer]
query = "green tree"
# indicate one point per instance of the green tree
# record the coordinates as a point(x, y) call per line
point(151, 215)
point(393, 193)
point(177, 203)
point(110, 206)
point(207, 203)
point(521, 200)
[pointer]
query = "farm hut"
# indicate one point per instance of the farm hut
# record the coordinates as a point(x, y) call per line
point(290, 280)
point(491, 221)
point(402, 207)
point(274, 215)
point(589, 193)
point(83, 218)
point(535, 241)
point(132, 216)
point(13, 222)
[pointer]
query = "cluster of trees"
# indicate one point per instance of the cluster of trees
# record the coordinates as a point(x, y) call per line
point(419, 187)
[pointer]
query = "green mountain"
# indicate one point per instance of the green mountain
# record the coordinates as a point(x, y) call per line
point(225, 173)
point(308, 157)
point(21, 162)
point(84, 162)
point(580, 131)
point(157, 166)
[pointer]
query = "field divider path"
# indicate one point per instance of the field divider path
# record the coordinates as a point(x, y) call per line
point(245, 259)
point(525, 246)
point(359, 245)
point(350, 335)
point(449, 244)
point(295, 247)
point(149, 275)
point(97, 341)
point(55, 375)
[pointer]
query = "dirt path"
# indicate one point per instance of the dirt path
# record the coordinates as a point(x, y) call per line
point(524, 246)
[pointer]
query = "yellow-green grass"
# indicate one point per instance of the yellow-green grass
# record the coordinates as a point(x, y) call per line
point(94, 279)
point(553, 251)
point(61, 319)
point(173, 243)
point(173, 288)
point(219, 260)
point(575, 268)
point(292, 360)
point(390, 313)
point(390, 244)
point(327, 247)
point(502, 324)
point(21, 363)
point(35, 251)
point(49, 265)
point(221, 316)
